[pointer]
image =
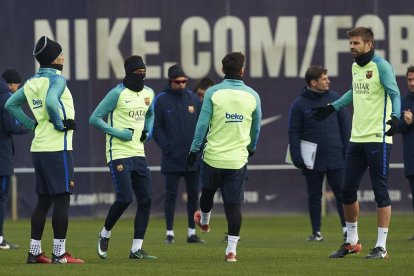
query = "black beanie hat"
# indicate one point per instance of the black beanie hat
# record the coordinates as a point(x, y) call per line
point(46, 50)
point(133, 63)
point(175, 71)
point(11, 76)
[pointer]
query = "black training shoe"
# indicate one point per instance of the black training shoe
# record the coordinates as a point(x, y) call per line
point(7, 245)
point(377, 253)
point(141, 254)
point(169, 239)
point(102, 247)
point(345, 249)
point(316, 237)
point(195, 239)
point(38, 259)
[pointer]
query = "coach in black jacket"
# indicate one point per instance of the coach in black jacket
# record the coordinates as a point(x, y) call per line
point(406, 128)
point(331, 136)
point(9, 83)
point(176, 113)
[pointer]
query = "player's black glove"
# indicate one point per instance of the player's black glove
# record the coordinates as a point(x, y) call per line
point(322, 112)
point(191, 158)
point(298, 163)
point(250, 153)
point(394, 126)
point(69, 124)
point(144, 136)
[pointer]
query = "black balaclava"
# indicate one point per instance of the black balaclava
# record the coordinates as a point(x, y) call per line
point(134, 81)
point(46, 51)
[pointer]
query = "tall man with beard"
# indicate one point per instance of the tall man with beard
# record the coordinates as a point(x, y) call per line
point(376, 101)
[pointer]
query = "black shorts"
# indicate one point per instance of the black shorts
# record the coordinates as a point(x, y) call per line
point(231, 182)
point(54, 172)
point(131, 176)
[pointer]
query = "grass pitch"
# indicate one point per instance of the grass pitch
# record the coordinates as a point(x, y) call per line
point(271, 245)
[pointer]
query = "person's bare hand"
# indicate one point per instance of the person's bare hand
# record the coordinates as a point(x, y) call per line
point(408, 116)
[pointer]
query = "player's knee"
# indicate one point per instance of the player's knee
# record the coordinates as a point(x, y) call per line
point(383, 201)
point(124, 199)
point(349, 197)
point(145, 203)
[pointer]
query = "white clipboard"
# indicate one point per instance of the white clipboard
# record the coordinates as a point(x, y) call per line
point(308, 152)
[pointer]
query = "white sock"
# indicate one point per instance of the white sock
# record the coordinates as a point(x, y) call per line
point(191, 231)
point(344, 230)
point(1, 239)
point(59, 247)
point(105, 233)
point(35, 247)
point(352, 232)
point(382, 237)
point(169, 233)
point(205, 218)
point(232, 244)
point(136, 245)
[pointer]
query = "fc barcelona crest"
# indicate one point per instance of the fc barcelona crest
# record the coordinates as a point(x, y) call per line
point(369, 74)
point(191, 109)
point(147, 101)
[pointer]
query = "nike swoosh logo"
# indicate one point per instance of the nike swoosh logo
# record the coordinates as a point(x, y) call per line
point(269, 120)
point(270, 197)
point(128, 101)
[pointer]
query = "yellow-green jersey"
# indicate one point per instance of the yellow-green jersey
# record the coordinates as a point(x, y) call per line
point(128, 112)
point(230, 115)
point(50, 101)
point(375, 97)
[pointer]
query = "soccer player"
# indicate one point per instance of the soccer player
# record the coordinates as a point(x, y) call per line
point(376, 101)
point(230, 115)
point(51, 103)
point(128, 107)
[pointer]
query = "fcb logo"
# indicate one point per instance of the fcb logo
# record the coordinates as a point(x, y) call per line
point(369, 74)
point(72, 184)
point(191, 109)
point(147, 101)
point(120, 168)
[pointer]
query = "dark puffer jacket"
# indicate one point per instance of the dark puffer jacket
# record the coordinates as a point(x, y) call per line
point(331, 135)
point(176, 115)
point(407, 135)
point(8, 126)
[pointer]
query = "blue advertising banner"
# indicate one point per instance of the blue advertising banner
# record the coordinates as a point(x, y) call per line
point(279, 38)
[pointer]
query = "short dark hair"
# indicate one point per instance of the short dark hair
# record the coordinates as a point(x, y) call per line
point(410, 69)
point(233, 63)
point(203, 83)
point(314, 72)
point(365, 33)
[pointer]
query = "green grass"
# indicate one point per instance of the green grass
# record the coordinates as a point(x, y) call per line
point(269, 245)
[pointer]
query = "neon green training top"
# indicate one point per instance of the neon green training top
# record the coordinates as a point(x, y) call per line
point(126, 110)
point(231, 113)
point(375, 97)
point(51, 102)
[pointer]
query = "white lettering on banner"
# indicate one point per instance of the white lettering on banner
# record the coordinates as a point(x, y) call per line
point(284, 46)
point(249, 197)
point(203, 43)
point(193, 28)
point(92, 199)
point(368, 195)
